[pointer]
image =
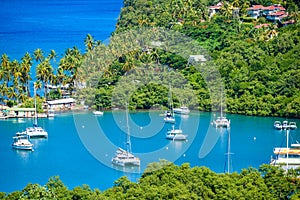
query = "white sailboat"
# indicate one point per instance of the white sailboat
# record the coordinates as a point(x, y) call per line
point(169, 114)
point(35, 130)
point(221, 121)
point(125, 157)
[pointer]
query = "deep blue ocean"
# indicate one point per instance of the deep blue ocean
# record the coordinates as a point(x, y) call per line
point(56, 24)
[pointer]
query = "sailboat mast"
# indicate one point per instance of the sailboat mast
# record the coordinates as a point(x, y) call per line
point(171, 101)
point(287, 146)
point(221, 103)
point(35, 109)
point(228, 152)
point(128, 143)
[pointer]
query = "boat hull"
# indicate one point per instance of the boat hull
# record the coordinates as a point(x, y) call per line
point(182, 111)
point(36, 132)
point(176, 137)
point(169, 120)
point(18, 147)
point(123, 163)
point(98, 113)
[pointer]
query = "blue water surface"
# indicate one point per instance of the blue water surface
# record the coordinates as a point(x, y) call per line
point(80, 146)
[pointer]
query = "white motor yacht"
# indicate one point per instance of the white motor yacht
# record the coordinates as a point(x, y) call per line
point(22, 142)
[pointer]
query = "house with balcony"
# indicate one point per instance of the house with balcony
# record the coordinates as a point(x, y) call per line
point(272, 9)
point(255, 11)
point(276, 16)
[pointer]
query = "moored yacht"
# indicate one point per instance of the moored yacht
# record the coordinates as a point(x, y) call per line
point(125, 157)
point(169, 114)
point(222, 122)
point(169, 117)
point(286, 157)
point(277, 125)
point(22, 142)
point(98, 113)
point(176, 134)
point(35, 130)
point(292, 125)
point(285, 124)
point(182, 110)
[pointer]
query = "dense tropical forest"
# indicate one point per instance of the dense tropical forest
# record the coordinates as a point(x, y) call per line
point(259, 67)
point(164, 180)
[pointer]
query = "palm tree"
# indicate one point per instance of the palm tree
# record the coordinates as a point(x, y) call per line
point(89, 42)
point(38, 55)
point(37, 84)
point(12, 93)
point(60, 76)
point(15, 73)
point(5, 70)
point(26, 65)
point(52, 55)
point(70, 63)
point(44, 72)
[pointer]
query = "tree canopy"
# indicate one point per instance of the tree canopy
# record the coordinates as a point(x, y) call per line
point(164, 180)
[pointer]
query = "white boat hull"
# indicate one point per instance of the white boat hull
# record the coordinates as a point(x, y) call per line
point(98, 113)
point(36, 132)
point(182, 110)
point(169, 120)
point(175, 134)
point(21, 142)
point(128, 162)
point(22, 147)
point(177, 137)
point(124, 158)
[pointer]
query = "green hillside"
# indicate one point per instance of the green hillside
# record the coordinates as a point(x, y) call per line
point(259, 66)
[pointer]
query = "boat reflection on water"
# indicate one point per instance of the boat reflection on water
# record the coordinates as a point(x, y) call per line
point(23, 155)
point(38, 142)
point(127, 168)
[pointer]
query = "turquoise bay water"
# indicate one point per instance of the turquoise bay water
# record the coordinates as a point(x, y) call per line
point(80, 146)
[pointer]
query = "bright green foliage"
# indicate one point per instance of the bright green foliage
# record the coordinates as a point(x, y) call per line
point(164, 180)
point(259, 67)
